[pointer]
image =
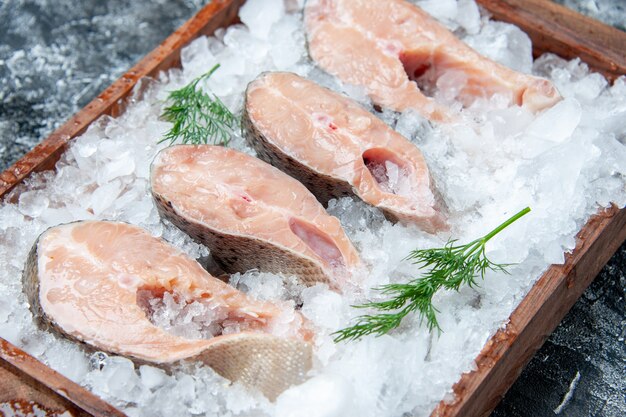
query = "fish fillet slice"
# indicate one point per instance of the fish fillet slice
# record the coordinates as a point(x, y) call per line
point(250, 214)
point(336, 148)
point(83, 280)
point(384, 45)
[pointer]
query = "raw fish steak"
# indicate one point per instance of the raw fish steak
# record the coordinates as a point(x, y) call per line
point(392, 48)
point(86, 280)
point(250, 214)
point(337, 148)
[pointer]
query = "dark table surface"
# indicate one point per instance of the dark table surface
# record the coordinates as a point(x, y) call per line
point(56, 55)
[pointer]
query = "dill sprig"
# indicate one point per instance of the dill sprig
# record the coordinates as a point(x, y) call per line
point(448, 267)
point(198, 117)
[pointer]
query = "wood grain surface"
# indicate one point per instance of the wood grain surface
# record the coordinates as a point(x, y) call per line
point(557, 29)
point(29, 383)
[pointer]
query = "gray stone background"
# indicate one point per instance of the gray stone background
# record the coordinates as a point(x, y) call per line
point(56, 55)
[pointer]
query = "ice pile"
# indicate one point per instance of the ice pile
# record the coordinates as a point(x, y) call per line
point(565, 163)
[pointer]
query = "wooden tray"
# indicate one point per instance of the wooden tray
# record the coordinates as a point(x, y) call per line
point(553, 28)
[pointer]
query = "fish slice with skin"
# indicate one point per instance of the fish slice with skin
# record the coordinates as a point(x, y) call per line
point(337, 148)
point(387, 45)
point(85, 280)
point(251, 215)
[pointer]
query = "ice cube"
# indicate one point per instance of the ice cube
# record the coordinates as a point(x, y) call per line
point(468, 16)
point(260, 15)
point(287, 43)
point(152, 377)
point(253, 49)
point(104, 196)
point(322, 306)
point(55, 216)
point(97, 360)
point(504, 43)
point(557, 123)
point(121, 165)
point(121, 377)
point(11, 333)
point(393, 175)
point(197, 58)
point(590, 87)
point(443, 10)
point(68, 361)
point(33, 203)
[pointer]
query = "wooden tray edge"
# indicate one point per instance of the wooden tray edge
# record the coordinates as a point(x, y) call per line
point(217, 13)
point(502, 359)
point(43, 382)
point(565, 32)
point(47, 386)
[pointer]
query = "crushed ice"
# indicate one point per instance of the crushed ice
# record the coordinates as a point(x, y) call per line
point(207, 318)
point(193, 320)
point(565, 163)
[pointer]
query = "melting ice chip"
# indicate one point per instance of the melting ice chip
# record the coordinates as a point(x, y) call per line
point(97, 360)
point(152, 377)
point(504, 43)
point(468, 16)
point(32, 203)
point(286, 50)
point(557, 123)
point(445, 10)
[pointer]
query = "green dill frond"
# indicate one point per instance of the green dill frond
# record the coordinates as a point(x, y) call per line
point(198, 117)
point(448, 267)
